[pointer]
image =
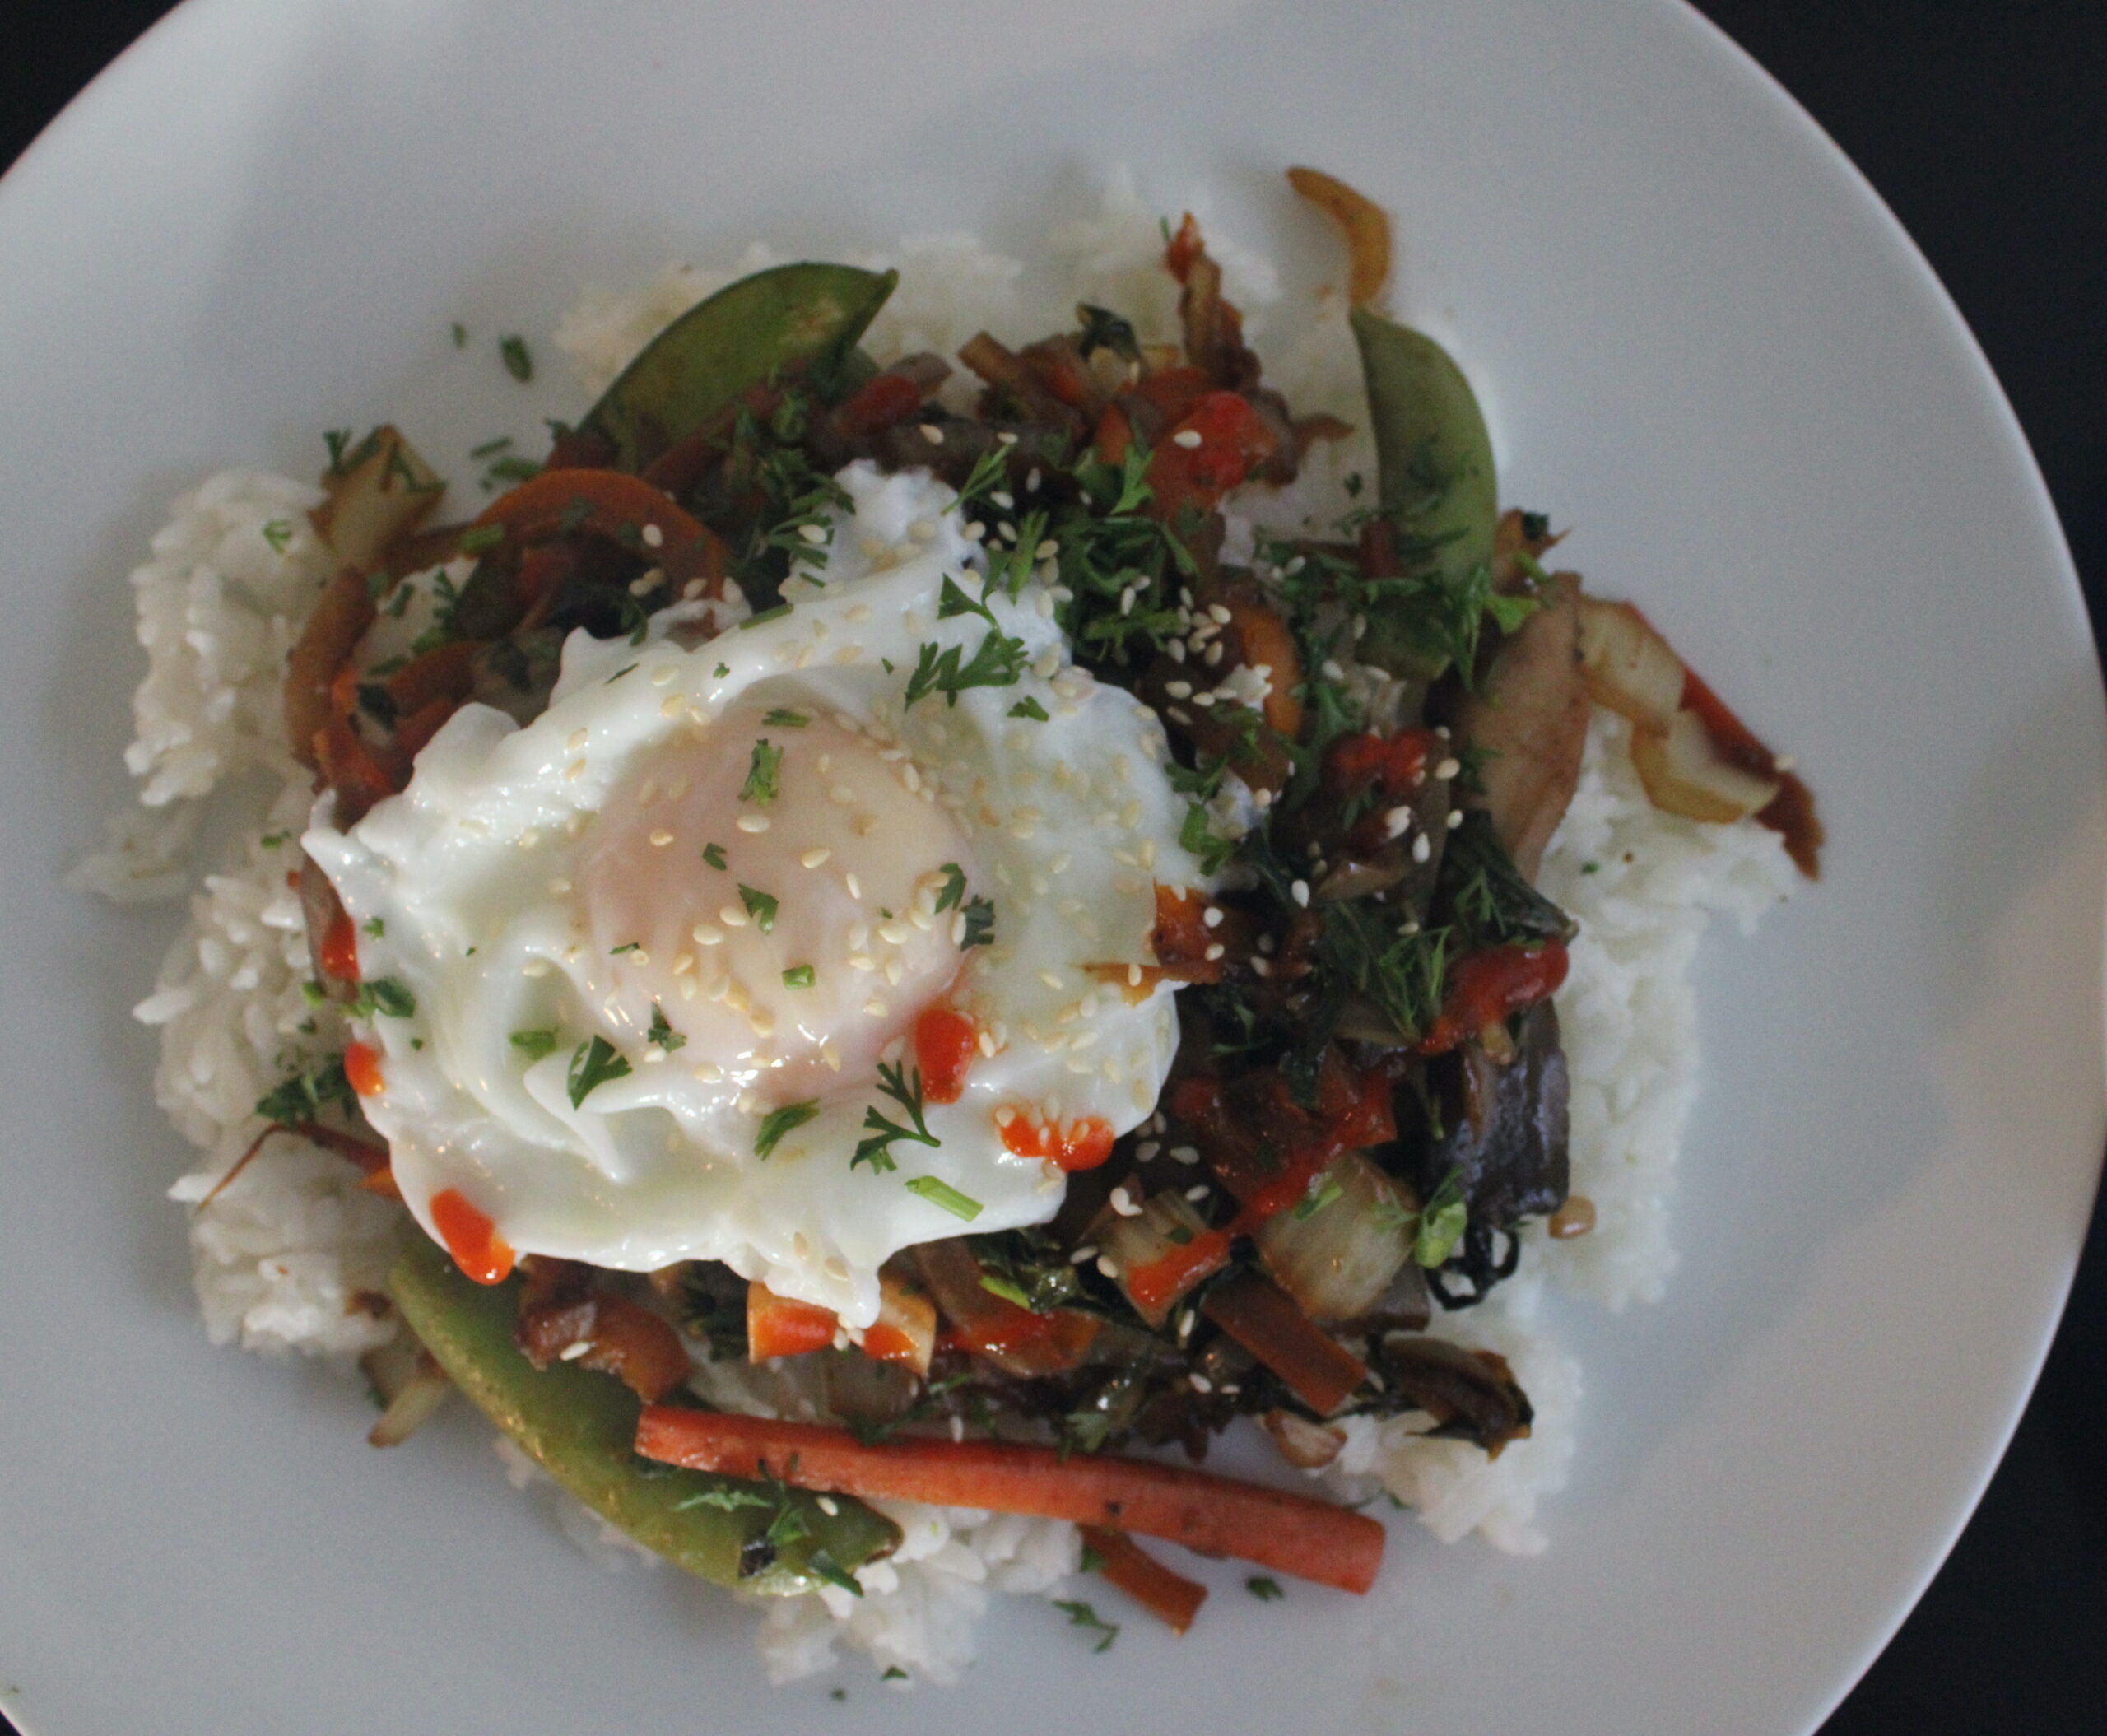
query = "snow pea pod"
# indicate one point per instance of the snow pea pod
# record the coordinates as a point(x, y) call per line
point(1436, 481)
point(790, 318)
point(579, 1427)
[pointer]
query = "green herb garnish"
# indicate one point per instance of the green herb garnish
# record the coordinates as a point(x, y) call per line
point(1080, 1614)
point(519, 360)
point(592, 1065)
point(876, 1149)
point(534, 1044)
point(798, 976)
point(763, 774)
point(760, 907)
point(662, 1034)
point(944, 1195)
point(778, 1122)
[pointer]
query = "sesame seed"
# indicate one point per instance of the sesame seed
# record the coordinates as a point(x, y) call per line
point(1448, 768)
point(574, 770)
point(752, 822)
point(1300, 892)
point(1185, 1154)
point(932, 433)
point(1260, 967)
point(1005, 438)
point(1133, 976)
point(706, 936)
point(1455, 818)
point(841, 795)
point(1331, 670)
point(1186, 1322)
point(732, 916)
point(1215, 951)
point(1397, 822)
point(855, 886)
point(572, 1352)
point(535, 967)
point(1004, 499)
point(1176, 648)
point(661, 839)
point(662, 674)
point(653, 537)
point(813, 858)
point(1189, 438)
point(1422, 848)
point(1203, 700)
point(638, 586)
point(1052, 979)
point(1083, 1255)
point(1197, 1193)
point(874, 1008)
point(1201, 1383)
point(1213, 659)
point(1784, 762)
point(1178, 689)
point(1217, 613)
point(1105, 1264)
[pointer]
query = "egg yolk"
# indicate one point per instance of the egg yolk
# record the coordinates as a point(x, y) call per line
point(766, 888)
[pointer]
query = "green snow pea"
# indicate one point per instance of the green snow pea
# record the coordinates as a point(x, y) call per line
point(790, 317)
point(1436, 482)
point(579, 1425)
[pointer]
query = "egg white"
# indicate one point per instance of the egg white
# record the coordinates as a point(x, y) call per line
point(467, 889)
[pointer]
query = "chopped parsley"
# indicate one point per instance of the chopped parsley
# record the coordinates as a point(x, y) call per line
point(1080, 1614)
point(799, 976)
point(764, 773)
point(627, 946)
point(592, 1065)
point(778, 1122)
point(1031, 709)
point(275, 840)
point(534, 1044)
point(782, 717)
point(279, 534)
point(761, 906)
point(377, 928)
point(518, 359)
point(300, 1097)
point(713, 855)
point(1265, 1588)
point(944, 1195)
point(662, 1034)
point(385, 996)
point(953, 886)
point(979, 922)
point(478, 537)
point(999, 662)
point(490, 449)
point(460, 335)
point(876, 1149)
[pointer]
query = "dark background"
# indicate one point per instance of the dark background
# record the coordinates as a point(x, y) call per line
point(1984, 127)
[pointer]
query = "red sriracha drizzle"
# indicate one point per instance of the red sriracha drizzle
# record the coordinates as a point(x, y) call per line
point(340, 948)
point(1057, 1340)
point(1082, 1144)
point(362, 1068)
point(1359, 1116)
point(470, 1236)
point(1489, 985)
point(944, 1046)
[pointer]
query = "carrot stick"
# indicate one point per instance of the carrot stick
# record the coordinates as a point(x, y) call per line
point(1292, 1533)
point(1157, 1589)
point(1265, 1321)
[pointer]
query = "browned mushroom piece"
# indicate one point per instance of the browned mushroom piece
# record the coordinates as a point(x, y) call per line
point(1529, 719)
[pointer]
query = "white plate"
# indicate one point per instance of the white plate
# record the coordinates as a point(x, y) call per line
point(1709, 348)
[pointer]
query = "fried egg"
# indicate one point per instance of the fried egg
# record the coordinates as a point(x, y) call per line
point(664, 952)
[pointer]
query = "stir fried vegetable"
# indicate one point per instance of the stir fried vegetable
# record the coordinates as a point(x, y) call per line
point(1290, 1534)
point(579, 1425)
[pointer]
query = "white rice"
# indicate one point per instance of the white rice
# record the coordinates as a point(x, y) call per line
point(282, 1254)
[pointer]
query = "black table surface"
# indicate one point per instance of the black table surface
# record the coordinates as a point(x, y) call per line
point(1984, 126)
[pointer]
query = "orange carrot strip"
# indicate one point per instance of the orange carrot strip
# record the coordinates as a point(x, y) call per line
point(1163, 1593)
point(1291, 1533)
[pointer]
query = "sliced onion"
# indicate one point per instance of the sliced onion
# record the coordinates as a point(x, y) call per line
point(1307, 1446)
point(410, 1380)
point(1165, 1227)
point(1629, 667)
point(1337, 1261)
point(1684, 774)
point(384, 495)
